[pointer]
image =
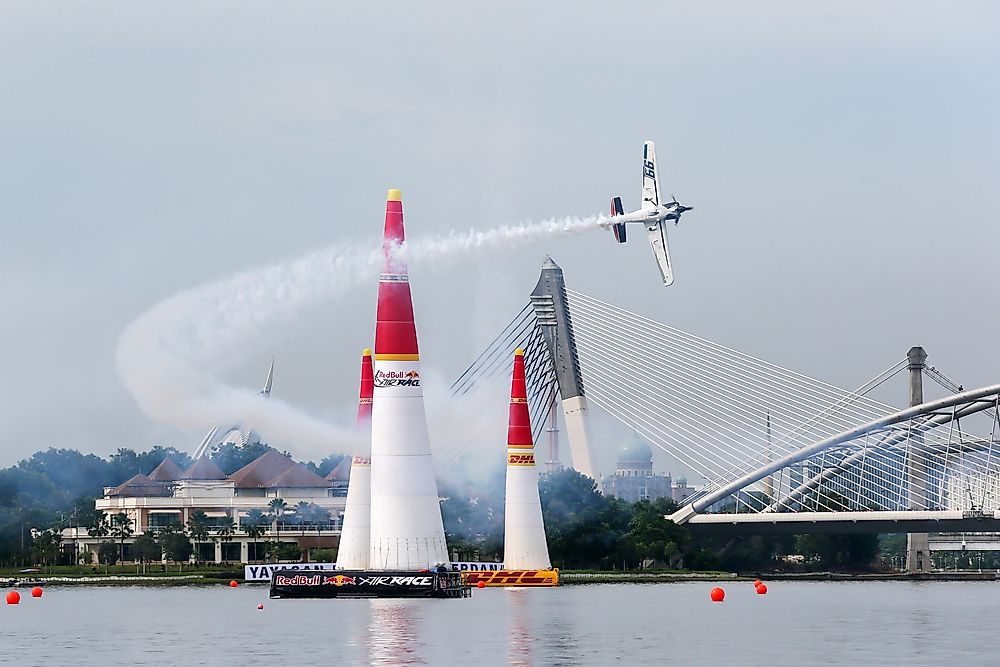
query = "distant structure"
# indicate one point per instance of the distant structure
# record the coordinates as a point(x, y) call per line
point(634, 479)
point(236, 434)
point(551, 309)
point(681, 491)
point(310, 516)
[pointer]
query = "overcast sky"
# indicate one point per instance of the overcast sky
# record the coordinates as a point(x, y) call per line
point(842, 158)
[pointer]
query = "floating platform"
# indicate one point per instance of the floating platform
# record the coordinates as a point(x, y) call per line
point(368, 584)
point(511, 578)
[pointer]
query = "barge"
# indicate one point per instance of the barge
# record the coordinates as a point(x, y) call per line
point(368, 584)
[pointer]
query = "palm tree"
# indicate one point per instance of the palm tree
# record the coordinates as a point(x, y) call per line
point(197, 527)
point(252, 526)
point(303, 512)
point(226, 530)
point(320, 515)
point(121, 529)
point(99, 527)
point(278, 507)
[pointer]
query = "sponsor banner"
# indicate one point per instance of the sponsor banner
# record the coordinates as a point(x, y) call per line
point(264, 572)
point(393, 278)
point(361, 461)
point(354, 579)
point(475, 567)
point(397, 378)
point(513, 578)
point(520, 459)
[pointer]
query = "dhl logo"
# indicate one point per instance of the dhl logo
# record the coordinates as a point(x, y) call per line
point(520, 459)
point(339, 580)
point(518, 400)
point(512, 578)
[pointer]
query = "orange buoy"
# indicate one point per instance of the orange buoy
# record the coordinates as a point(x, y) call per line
point(260, 606)
point(36, 592)
point(233, 584)
point(757, 583)
point(718, 595)
point(762, 590)
point(13, 597)
point(481, 584)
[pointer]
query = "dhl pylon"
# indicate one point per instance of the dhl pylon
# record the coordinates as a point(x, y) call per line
point(406, 527)
point(525, 551)
point(355, 534)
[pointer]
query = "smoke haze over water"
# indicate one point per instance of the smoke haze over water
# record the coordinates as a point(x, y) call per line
point(174, 356)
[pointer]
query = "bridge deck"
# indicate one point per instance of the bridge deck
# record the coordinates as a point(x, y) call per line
point(845, 522)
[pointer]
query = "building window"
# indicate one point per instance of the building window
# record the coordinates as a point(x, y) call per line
point(160, 520)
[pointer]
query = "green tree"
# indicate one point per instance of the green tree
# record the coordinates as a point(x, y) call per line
point(121, 529)
point(583, 528)
point(302, 513)
point(176, 546)
point(45, 547)
point(231, 457)
point(319, 516)
point(107, 553)
point(197, 527)
point(324, 467)
point(100, 526)
point(145, 549)
point(253, 525)
point(278, 507)
point(653, 536)
point(226, 529)
point(850, 551)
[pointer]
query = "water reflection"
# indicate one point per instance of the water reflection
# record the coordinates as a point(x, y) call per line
point(519, 635)
point(393, 636)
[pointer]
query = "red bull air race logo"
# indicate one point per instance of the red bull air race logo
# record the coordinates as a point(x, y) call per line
point(386, 379)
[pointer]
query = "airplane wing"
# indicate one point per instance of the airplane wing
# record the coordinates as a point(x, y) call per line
point(658, 241)
point(650, 177)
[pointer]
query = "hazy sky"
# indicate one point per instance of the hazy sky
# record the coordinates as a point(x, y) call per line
point(842, 158)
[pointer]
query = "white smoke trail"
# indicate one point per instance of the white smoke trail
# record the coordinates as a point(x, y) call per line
point(170, 358)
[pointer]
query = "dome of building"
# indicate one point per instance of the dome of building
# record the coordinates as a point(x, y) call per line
point(635, 450)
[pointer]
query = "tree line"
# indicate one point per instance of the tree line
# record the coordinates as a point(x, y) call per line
point(56, 488)
point(588, 530)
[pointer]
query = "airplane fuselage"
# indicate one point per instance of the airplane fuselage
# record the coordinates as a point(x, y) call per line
point(652, 216)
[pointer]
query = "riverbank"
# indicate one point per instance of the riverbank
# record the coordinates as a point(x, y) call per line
point(570, 577)
point(222, 577)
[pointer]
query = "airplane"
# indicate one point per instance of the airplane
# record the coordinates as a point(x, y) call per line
point(653, 213)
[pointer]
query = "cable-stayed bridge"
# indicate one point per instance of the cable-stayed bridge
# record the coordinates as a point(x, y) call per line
point(777, 450)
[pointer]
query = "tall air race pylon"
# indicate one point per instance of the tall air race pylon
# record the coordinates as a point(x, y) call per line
point(355, 534)
point(406, 528)
point(524, 545)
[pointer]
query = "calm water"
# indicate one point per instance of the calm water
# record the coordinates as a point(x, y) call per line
point(794, 624)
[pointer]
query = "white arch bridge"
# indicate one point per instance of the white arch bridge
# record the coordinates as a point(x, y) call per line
point(778, 451)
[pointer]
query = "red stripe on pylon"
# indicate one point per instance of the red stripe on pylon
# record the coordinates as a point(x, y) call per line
point(519, 422)
point(395, 332)
point(367, 391)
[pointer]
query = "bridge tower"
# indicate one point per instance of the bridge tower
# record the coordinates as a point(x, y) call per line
point(548, 300)
point(917, 544)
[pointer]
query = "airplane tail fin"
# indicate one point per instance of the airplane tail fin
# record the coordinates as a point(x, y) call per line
point(618, 228)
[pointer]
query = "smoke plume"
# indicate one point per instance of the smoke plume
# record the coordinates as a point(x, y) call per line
point(173, 356)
